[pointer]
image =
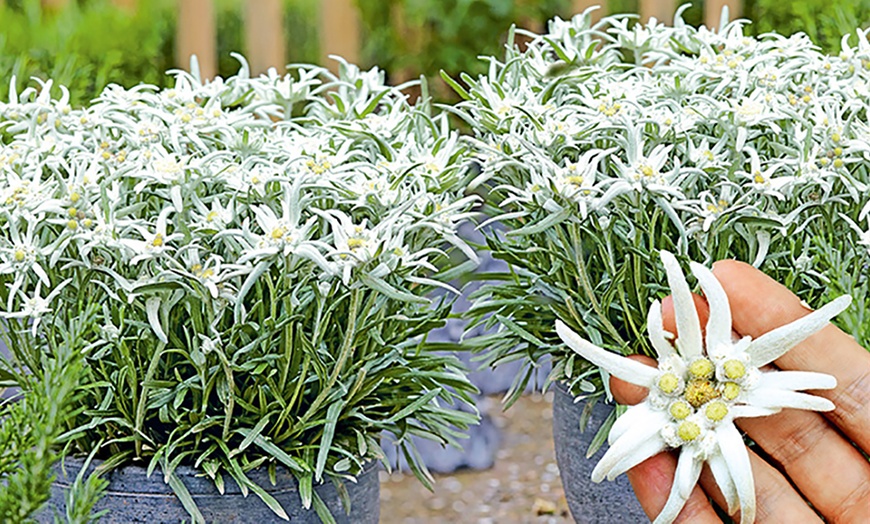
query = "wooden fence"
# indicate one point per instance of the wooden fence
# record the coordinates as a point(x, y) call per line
point(338, 28)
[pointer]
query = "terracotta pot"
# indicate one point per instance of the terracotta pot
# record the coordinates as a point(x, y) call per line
point(590, 503)
point(133, 497)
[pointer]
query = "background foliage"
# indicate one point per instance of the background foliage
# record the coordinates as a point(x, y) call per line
point(93, 43)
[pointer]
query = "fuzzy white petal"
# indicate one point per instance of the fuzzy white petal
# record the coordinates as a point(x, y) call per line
point(617, 365)
point(622, 449)
point(736, 456)
point(656, 331)
point(772, 345)
point(719, 321)
point(752, 411)
point(720, 471)
point(688, 471)
point(688, 326)
point(649, 447)
point(797, 380)
point(642, 415)
point(780, 398)
point(687, 478)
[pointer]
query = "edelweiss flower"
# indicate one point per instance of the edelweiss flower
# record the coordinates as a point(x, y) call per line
point(700, 387)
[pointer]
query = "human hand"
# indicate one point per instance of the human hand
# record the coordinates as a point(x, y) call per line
point(814, 457)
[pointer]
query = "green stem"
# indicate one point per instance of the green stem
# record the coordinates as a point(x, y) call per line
point(587, 288)
point(344, 354)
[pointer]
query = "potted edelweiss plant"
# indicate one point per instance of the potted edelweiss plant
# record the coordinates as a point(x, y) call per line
point(262, 250)
point(600, 145)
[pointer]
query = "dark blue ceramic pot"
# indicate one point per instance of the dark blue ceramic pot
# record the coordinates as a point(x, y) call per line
point(590, 503)
point(132, 497)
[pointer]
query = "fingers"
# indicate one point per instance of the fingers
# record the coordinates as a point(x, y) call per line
point(760, 304)
point(626, 392)
point(652, 480)
point(775, 499)
point(669, 320)
point(823, 465)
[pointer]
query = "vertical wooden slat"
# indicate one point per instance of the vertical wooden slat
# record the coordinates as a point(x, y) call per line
point(264, 35)
point(662, 10)
point(713, 11)
point(196, 35)
point(339, 32)
point(578, 6)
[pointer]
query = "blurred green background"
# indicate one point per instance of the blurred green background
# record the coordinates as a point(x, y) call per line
point(91, 43)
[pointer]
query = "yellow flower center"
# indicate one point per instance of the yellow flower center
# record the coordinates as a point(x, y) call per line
point(19, 255)
point(734, 369)
point(701, 368)
point(688, 431)
point(72, 224)
point(158, 240)
point(699, 392)
point(575, 180)
point(278, 233)
point(730, 390)
point(355, 243)
point(680, 410)
point(669, 383)
point(716, 410)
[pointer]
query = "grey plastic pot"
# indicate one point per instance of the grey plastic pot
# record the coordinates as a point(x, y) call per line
point(590, 503)
point(132, 497)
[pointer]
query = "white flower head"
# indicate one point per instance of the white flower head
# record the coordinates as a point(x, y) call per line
point(701, 385)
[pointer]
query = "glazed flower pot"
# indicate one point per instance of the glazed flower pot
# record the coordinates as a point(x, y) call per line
point(133, 497)
point(590, 503)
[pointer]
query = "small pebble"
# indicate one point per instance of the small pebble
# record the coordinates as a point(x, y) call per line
point(543, 507)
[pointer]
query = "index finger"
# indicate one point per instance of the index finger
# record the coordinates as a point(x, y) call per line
point(760, 304)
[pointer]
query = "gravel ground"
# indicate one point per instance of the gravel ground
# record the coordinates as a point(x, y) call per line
point(522, 488)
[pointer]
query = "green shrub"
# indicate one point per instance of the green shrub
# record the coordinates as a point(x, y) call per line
point(446, 35)
point(31, 427)
point(824, 21)
point(85, 46)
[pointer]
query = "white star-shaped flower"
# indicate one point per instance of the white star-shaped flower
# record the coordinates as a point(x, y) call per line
point(700, 386)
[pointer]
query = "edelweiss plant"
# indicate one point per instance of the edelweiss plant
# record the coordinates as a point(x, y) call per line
point(599, 145)
point(700, 386)
point(263, 250)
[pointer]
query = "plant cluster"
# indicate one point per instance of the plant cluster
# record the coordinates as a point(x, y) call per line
point(35, 418)
point(262, 250)
point(602, 144)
